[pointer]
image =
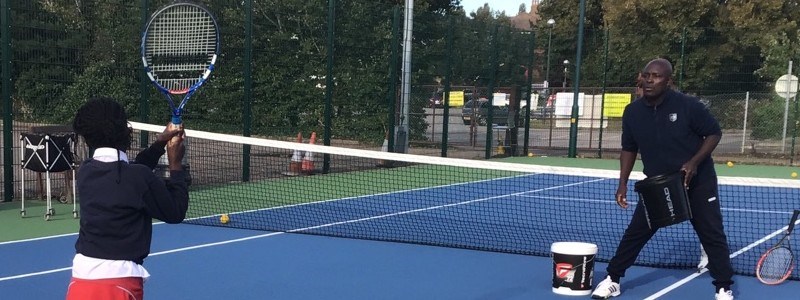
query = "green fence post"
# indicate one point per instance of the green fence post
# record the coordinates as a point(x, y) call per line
point(446, 94)
point(603, 96)
point(529, 91)
point(492, 77)
point(683, 59)
point(573, 126)
point(247, 65)
point(794, 132)
point(391, 96)
point(144, 87)
point(8, 121)
point(326, 162)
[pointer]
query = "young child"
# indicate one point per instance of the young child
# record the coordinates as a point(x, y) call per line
point(119, 199)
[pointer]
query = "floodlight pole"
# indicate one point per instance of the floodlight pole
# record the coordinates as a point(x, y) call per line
point(551, 23)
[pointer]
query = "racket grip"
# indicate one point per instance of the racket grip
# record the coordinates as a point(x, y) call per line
point(794, 219)
point(176, 120)
point(173, 125)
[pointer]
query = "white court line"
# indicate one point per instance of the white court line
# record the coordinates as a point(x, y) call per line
point(375, 195)
point(696, 274)
point(662, 292)
point(38, 238)
point(291, 205)
point(318, 226)
point(35, 274)
point(676, 285)
point(735, 254)
point(635, 202)
point(152, 254)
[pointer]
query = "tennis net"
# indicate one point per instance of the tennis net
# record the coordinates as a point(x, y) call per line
point(484, 205)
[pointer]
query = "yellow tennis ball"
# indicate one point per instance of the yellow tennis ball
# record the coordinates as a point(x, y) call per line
point(730, 164)
point(530, 154)
point(794, 174)
point(224, 219)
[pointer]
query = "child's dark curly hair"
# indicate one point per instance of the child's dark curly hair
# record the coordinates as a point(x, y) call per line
point(102, 122)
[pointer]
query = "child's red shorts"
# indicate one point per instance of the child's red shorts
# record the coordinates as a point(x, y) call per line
point(127, 288)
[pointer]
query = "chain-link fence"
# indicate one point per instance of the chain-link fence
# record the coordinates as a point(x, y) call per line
point(336, 68)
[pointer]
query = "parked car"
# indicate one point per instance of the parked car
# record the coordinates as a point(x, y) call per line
point(477, 111)
point(468, 94)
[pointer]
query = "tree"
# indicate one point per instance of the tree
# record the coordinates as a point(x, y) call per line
point(92, 48)
point(59, 41)
point(564, 34)
point(770, 26)
point(722, 39)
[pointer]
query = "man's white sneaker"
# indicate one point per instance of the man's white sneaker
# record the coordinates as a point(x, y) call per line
point(606, 289)
point(724, 294)
point(703, 259)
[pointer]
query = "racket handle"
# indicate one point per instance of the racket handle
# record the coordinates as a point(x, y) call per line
point(176, 120)
point(173, 125)
point(794, 219)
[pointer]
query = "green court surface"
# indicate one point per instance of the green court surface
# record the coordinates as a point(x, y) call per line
point(33, 224)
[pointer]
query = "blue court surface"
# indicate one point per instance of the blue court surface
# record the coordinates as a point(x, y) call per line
point(196, 262)
point(207, 262)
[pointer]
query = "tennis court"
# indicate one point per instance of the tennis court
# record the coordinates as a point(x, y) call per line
point(419, 230)
point(194, 262)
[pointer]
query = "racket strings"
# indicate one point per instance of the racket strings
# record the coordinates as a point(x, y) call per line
point(180, 45)
point(776, 265)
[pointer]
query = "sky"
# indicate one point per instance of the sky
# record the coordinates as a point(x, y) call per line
point(510, 6)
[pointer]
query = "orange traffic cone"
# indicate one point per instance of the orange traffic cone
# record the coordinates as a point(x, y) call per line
point(308, 159)
point(295, 165)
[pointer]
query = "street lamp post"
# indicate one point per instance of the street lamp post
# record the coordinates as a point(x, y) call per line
point(551, 23)
point(566, 73)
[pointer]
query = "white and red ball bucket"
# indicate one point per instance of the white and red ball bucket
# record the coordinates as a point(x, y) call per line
point(573, 268)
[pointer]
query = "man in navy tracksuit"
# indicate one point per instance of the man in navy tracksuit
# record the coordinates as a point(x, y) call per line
point(119, 200)
point(671, 131)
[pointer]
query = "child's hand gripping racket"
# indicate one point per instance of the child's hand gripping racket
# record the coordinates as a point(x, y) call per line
point(179, 48)
point(777, 263)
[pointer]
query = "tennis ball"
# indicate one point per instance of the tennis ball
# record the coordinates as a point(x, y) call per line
point(730, 164)
point(224, 219)
point(794, 174)
point(530, 154)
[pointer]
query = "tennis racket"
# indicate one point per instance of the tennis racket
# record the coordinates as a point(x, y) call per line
point(179, 49)
point(777, 263)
